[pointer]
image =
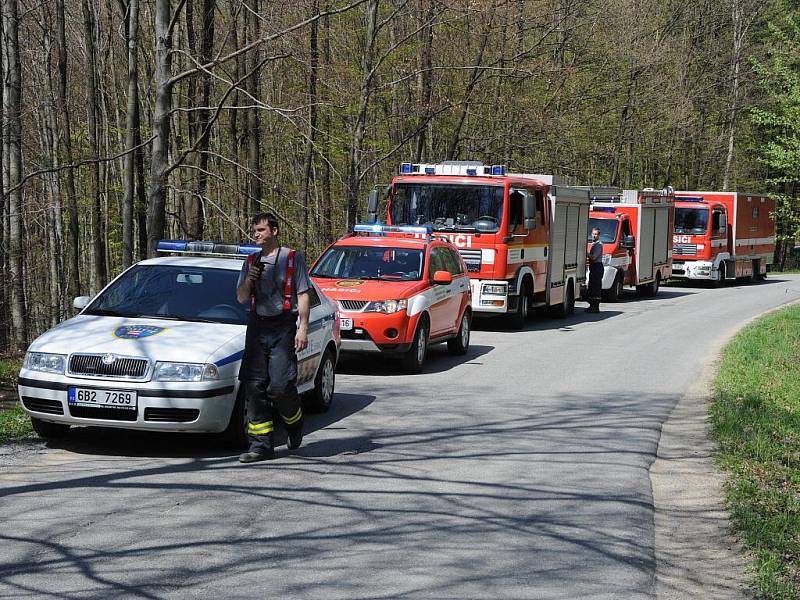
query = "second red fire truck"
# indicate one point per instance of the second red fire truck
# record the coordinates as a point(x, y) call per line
point(522, 236)
point(636, 231)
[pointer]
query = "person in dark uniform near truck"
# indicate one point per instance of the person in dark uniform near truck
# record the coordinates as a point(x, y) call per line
point(595, 256)
point(275, 282)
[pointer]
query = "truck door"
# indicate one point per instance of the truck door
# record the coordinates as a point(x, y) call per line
point(719, 231)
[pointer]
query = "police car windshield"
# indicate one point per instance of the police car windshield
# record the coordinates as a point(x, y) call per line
point(448, 207)
point(370, 262)
point(173, 292)
point(691, 220)
point(607, 227)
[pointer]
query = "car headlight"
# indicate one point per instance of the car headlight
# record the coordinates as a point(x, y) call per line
point(606, 260)
point(387, 306)
point(45, 361)
point(495, 289)
point(178, 371)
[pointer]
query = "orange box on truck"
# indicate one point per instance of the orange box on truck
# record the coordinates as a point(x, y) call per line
point(721, 236)
point(522, 237)
point(636, 231)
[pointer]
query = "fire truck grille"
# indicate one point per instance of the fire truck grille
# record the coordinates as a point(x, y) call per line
point(472, 258)
point(685, 249)
point(352, 305)
point(93, 364)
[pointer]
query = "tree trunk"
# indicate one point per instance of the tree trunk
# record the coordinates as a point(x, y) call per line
point(159, 169)
point(12, 107)
point(354, 177)
point(98, 254)
point(73, 276)
point(312, 122)
point(254, 191)
point(425, 77)
point(131, 127)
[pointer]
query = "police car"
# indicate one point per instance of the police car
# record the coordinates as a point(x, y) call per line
point(160, 347)
point(398, 289)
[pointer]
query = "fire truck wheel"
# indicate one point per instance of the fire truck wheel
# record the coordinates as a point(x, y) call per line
point(414, 358)
point(518, 317)
point(47, 430)
point(567, 307)
point(651, 289)
point(720, 281)
point(614, 293)
point(319, 399)
point(235, 435)
point(459, 345)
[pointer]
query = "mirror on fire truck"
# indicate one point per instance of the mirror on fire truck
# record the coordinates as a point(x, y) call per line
point(372, 207)
point(529, 212)
point(629, 242)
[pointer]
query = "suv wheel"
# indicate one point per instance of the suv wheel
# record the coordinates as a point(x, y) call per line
point(460, 344)
point(414, 358)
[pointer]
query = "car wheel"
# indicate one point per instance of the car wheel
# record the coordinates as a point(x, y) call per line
point(459, 345)
point(319, 399)
point(414, 358)
point(235, 434)
point(48, 430)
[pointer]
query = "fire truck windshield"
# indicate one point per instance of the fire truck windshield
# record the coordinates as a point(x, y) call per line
point(691, 220)
point(370, 262)
point(607, 227)
point(448, 207)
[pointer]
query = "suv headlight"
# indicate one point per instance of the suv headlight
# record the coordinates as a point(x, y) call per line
point(178, 371)
point(387, 306)
point(495, 289)
point(46, 362)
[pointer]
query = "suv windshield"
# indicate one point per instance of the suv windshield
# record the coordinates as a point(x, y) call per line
point(607, 227)
point(173, 292)
point(691, 220)
point(363, 262)
point(448, 207)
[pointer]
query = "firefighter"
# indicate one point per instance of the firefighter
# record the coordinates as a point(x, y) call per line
point(595, 272)
point(276, 284)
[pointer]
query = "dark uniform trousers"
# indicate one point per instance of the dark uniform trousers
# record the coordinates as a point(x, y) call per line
point(269, 374)
point(595, 291)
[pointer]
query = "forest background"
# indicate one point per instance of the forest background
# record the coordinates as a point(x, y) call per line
point(128, 121)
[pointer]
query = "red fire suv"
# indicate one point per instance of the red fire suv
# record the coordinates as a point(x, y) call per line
point(398, 289)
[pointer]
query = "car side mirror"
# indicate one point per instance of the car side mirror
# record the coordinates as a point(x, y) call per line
point(529, 212)
point(80, 302)
point(442, 277)
point(629, 242)
point(372, 207)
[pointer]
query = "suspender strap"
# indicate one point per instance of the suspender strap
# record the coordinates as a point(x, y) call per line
point(251, 259)
point(287, 286)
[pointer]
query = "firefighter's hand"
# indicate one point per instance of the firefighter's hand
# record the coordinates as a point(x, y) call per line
point(301, 339)
point(254, 272)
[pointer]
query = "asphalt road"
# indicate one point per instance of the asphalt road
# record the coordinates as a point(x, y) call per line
point(522, 470)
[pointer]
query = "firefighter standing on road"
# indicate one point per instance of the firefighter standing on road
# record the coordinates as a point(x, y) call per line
point(275, 282)
point(595, 272)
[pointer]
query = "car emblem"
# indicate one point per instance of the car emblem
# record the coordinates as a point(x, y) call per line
point(349, 283)
point(108, 359)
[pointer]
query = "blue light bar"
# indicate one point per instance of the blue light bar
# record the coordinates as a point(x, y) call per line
point(690, 199)
point(498, 169)
point(405, 168)
point(472, 171)
point(206, 247)
point(606, 209)
point(430, 170)
point(381, 229)
point(171, 246)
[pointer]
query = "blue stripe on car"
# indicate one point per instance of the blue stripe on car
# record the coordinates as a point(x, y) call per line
point(312, 327)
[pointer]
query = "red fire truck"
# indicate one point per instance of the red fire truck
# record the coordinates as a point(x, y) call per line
point(636, 231)
point(522, 236)
point(721, 236)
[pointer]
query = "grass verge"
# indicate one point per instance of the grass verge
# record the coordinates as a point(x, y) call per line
point(756, 421)
point(14, 423)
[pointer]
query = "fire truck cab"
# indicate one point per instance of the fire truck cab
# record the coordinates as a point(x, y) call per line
point(522, 236)
point(636, 231)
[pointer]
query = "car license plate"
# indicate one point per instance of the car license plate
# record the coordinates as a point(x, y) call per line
point(122, 399)
point(345, 324)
